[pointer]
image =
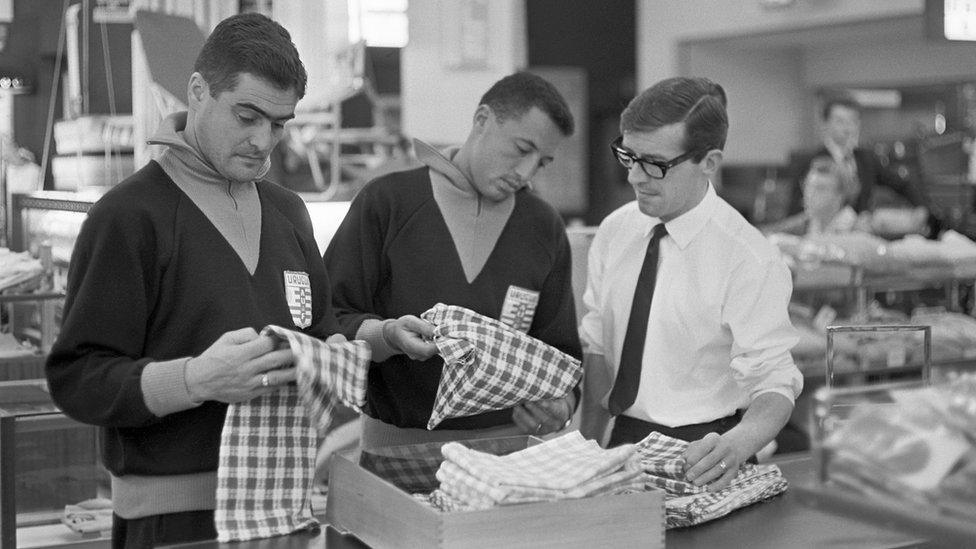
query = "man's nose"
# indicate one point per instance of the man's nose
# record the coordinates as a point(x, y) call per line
point(527, 167)
point(635, 174)
point(263, 138)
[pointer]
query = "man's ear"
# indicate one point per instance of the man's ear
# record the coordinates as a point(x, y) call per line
point(712, 161)
point(482, 114)
point(196, 89)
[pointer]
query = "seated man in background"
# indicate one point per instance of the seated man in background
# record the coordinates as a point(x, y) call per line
point(841, 119)
point(461, 230)
point(824, 204)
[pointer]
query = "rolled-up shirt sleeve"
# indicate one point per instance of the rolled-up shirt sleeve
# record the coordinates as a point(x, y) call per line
point(756, 312)
point(591, 325)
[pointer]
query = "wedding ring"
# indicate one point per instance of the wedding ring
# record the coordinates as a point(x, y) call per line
point(723, 465)
point(265, 382)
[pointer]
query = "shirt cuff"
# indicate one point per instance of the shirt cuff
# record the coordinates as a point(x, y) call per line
point(371, 331)
point(164, 387)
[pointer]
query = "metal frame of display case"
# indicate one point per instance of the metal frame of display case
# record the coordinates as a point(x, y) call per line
point(925, 368)
point(835, 404)
point(42, 417)
point(43, 200)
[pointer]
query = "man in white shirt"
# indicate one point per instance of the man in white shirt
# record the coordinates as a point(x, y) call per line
point(713, 363)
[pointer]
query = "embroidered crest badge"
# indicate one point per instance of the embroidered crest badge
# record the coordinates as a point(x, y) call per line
point(298, 293)
point(518, 310)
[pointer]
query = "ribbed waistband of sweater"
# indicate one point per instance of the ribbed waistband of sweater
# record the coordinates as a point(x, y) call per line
point(136, 496)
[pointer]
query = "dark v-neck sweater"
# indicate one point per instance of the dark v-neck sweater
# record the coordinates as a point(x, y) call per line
point(151, 279)
point(394, 255)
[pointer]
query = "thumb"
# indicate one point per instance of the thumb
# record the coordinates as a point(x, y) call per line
point(237, 337)
point(420, 326)
point(336, 338)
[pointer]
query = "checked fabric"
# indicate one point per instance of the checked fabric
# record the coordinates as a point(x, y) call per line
point(268, 444)
point(566, 467)
point(490, 366)
point(686, 504)
point(413, 467)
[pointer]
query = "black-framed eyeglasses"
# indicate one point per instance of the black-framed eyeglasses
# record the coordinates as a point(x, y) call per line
point(653, 168)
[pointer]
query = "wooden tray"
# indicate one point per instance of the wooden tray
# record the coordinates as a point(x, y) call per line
point(383, 515)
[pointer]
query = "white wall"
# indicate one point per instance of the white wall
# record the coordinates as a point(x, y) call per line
point(438, 96)
point(896, 61)
point(771, 103)
point(763, 87)
point(662, 24)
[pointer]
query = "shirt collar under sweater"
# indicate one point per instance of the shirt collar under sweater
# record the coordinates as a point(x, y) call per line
point(234, 208)
point(475, 224)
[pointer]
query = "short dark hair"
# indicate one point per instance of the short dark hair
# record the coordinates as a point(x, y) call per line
point(698, 102)
point(250, 43)
point(842, 100)
point(826, 165)
point(514, 95)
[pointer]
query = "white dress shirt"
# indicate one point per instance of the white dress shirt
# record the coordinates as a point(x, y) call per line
point(718, 333)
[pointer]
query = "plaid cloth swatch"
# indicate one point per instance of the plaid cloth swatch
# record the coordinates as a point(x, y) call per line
point(566, 467)
point(268, 444)
point(413, 467)
point(410, 467)
point(687, 504)
point(698, 508)
point(490, 366)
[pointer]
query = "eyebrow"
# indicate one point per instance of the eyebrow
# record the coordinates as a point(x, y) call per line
point(260, 111)
point(646, 157)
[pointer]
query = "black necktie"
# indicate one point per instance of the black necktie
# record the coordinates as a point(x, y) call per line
point(632, 354)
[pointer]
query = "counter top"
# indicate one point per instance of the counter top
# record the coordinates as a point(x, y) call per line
point(783, 521)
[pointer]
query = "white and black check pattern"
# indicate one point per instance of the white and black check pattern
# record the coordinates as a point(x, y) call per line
point(566, 467)
point(766, 481)
point(268, 444)
point(661, 458)
point(490, 366)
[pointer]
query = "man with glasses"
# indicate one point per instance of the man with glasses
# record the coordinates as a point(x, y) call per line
point(685, 329)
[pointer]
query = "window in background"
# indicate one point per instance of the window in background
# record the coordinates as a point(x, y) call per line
point(381, 23)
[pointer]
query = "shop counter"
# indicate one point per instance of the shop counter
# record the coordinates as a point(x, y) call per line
point(783, 521)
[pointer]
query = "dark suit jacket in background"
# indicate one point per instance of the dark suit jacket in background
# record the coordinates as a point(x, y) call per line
point(870, 173)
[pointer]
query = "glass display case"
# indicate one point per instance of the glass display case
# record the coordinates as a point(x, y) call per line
point(47, 461)
point(899, 454)
point(49, 217)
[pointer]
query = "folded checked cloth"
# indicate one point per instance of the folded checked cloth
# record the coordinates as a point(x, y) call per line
point(268, 444)
point(491, 366)
point(661, 458)
point(566, 467)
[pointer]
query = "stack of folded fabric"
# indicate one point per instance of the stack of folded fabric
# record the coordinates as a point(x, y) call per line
point(566, 467)
point(661, 458)
point(491, 366)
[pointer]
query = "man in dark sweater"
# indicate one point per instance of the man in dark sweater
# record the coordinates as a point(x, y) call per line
point(175, 271)
point(462, 230)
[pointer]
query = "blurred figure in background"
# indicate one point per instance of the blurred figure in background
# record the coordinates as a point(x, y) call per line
point(825, 209)
point(841, 118)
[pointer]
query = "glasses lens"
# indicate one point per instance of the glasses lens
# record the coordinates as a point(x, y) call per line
point(652, 170)
point(625, 159)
